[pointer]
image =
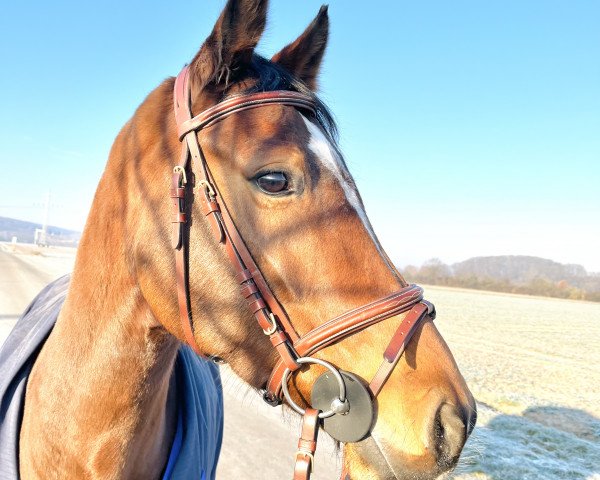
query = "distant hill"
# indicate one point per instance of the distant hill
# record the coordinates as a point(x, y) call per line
point(25, 232)
point(519, 268)
point(512, 273)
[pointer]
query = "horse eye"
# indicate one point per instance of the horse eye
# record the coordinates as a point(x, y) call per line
point(273, 182)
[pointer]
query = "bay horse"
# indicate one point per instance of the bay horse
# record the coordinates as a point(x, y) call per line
point(99, 402)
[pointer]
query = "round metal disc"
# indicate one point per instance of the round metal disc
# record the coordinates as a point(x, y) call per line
point(354, 425)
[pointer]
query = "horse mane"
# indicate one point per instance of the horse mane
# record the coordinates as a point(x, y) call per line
point(270, 76)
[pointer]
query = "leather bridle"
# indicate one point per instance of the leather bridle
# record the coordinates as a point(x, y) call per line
point(293, 350)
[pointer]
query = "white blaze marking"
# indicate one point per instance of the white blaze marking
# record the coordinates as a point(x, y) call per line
point(323, 150)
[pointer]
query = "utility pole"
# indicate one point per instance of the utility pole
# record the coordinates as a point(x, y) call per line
point(46, 213)
point(41, 235)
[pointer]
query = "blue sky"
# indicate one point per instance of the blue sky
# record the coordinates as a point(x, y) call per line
point(472, 128)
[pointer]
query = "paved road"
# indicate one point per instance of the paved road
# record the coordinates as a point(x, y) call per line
point(250, 425)
point(20, 280)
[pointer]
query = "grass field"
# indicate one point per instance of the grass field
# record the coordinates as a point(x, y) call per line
point(532, 363)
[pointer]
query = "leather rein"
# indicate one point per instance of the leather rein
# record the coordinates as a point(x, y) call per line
point(293, 350)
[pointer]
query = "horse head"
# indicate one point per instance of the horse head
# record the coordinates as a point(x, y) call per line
point(284, 182)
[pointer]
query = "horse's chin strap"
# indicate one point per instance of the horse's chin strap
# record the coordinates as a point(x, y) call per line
point(192, 170)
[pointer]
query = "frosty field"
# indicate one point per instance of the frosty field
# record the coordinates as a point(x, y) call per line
point(533, 365)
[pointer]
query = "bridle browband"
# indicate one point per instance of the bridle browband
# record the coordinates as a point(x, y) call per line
point(293, 350)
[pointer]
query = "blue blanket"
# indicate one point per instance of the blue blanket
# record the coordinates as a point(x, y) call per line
point(197, 442)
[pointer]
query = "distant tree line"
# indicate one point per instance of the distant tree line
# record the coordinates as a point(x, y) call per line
point(435, 272)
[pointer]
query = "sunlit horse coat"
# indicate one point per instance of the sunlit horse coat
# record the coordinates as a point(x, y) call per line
point(197, 442)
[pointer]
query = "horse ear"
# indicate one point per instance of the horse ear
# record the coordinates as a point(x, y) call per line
point(228, 49)
point(303, 57)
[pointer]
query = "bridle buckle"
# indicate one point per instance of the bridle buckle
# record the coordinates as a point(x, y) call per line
point(181, 171)
point(273, 328)
point(209, 191)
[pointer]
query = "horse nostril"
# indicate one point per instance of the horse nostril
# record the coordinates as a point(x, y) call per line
point(449, 435)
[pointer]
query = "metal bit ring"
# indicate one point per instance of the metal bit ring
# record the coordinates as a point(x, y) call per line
point(323, 363)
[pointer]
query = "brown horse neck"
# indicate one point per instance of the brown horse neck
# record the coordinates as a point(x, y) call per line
point(102, 379)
